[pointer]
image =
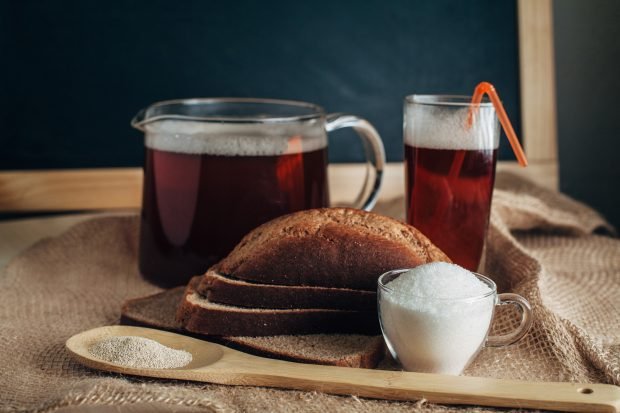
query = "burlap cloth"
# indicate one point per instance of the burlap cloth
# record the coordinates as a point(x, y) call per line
point(541, 245)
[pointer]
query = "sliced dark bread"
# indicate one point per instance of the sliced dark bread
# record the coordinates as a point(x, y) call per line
point(328, 247)
point(197, 314)
point(220, 289)
point(159, 310)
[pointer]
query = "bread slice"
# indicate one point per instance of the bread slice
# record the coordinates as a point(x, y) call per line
point(197, 314)
point(328, 247)
point(158, 311)
point(220, 289)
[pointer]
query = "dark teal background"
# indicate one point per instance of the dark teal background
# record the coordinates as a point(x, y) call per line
point(73, 73)
point(587, 60)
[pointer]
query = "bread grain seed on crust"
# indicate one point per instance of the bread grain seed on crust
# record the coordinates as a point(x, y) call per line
point(328, 247)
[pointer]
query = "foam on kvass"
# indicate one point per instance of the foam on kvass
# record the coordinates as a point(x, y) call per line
point(251, 139)
point(444, 127)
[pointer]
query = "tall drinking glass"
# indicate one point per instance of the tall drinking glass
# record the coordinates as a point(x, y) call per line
point(450, 171)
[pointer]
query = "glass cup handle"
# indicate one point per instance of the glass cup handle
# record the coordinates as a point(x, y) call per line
point(375, 155)
point(524, 326)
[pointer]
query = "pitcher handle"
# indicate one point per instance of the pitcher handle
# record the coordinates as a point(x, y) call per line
point(374, 151)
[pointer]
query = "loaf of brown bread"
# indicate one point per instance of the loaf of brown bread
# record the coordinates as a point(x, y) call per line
point(329, 247)
point(224, 290)
point(199, 315)
point(346, 350)
point(314, 257)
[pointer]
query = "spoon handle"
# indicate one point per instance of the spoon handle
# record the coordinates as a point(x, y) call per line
point(434, 388)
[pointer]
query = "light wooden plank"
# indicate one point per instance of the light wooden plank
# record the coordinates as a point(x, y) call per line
point(113, 188)
point(344, 178)
point(62, 190)
point(537, 72)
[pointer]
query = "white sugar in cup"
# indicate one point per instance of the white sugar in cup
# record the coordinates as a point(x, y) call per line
point(435, 318)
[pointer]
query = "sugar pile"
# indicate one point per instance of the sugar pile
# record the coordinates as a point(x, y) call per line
point(139, 352)
point(437, 280)
point(436, 317)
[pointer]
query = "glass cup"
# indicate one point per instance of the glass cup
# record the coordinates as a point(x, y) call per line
point(450, 172)
point(442, 335)
point(217, 168)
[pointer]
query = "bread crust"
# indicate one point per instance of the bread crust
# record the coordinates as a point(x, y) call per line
point(328, 247)
point(196, 314)
point(224, 290)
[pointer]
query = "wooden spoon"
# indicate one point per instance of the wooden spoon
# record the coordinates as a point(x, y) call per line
point(214, 363)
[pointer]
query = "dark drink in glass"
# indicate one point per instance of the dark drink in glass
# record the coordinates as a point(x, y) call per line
point(453, 211)
point(450, 173)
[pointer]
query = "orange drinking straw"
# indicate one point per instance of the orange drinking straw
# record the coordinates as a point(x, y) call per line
point(489, 89)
